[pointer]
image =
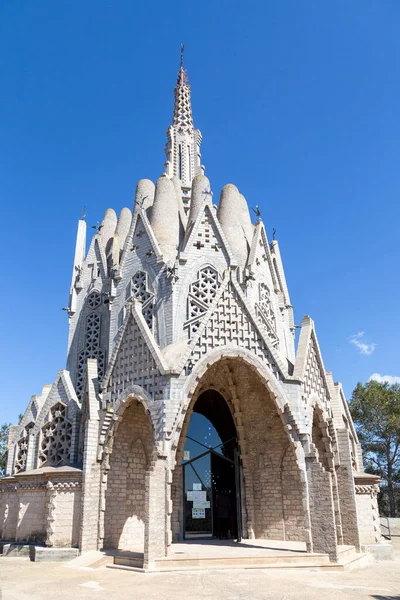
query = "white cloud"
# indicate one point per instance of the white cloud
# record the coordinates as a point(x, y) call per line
point(362, 346)
point(384, 378)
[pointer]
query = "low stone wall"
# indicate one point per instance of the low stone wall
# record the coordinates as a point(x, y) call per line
point(41, 506)
point(390, 526)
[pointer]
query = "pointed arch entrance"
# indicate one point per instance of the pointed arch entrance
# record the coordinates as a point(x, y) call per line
point(124, 493)
point(272, 481)
point(211, 471)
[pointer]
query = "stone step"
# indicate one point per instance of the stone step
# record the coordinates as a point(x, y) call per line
point(357, 561)
point(244, 565)
point(14, 549)
point(101, 562)
point(126, 568)
point(227, 562)
point(42, 554)
point(346, 551)
point(128, 561)
point(348, 559)
point(258, 561)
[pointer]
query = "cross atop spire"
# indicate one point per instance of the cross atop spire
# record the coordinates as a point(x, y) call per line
point(183, 140)
point(182, 75)
point(182, 118)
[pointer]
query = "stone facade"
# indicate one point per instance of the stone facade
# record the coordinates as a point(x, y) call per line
point(172, 301)
point(42, 506)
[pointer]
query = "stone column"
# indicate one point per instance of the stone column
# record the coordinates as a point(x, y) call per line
point(51, 494)
point(155, 532)
point(31, 455)
point(88, 539)
point(11, 449)
point(366, 488)
point(89, 530)
point(347, 493)
point(322, 514)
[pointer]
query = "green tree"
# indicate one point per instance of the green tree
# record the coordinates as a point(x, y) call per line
point(376, 412)
point(3, 447)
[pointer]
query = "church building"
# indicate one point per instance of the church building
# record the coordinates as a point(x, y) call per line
point(186, 410)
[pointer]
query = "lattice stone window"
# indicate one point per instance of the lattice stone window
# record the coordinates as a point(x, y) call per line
point(201, 295)
point(94, 300)
point(139, 289)
point(55, 447)
point(22, 449)
point(91, 350)
point(265, 313)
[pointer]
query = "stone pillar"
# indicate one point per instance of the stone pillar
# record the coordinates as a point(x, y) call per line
point(347, 493)
point(168, 523)
point(336, 504)
point(51, 494)
point(91, 471)
point(155, 534)
point(306, 509)
point(89, 530)
point(31, 455)
point(11, 450)
point(367, 489)
point(322, 515)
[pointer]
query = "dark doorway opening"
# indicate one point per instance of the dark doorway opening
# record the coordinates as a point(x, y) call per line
point(211, 472)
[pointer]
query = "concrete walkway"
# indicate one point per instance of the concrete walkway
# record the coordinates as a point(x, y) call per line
point(24, 580)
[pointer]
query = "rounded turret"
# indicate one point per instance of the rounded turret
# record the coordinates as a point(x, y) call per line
point(107, 229)
point(178, 187)
point(200, 187)
point(178, 190)
point(232, 216)
point(123, 225)
point(144, 196)
point(245, 219)
point(164, 218)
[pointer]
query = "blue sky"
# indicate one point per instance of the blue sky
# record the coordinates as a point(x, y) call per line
point(298, 104)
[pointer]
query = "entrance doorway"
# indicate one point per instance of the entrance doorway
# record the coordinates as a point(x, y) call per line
point(211, 472)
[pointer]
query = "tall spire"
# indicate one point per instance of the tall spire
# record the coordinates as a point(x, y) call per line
point(182, 118)
point(183, 140)
point(182, 75)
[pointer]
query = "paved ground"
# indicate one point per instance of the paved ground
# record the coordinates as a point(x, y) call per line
point(24, 580)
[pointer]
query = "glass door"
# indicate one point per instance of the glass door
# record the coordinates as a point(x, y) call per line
point(197, 501)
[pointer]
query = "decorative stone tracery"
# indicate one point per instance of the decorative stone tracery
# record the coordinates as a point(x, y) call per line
point(201, 294)
point(55, 446)
point(134, 363)
point(265, 313)
point(92, 344)
point(230, 324)
point(22, 449)
point(139, 289)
